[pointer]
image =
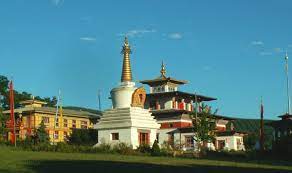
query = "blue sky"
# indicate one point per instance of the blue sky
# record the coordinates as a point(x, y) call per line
point(231, 50)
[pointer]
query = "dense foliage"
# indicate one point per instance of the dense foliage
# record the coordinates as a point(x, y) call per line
point(41, 135)
point(84, 137)
point(283, 146)
point(204, 126)
point(3, 130)
point(252, 128)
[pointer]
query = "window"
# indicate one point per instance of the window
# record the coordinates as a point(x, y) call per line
point(115, 136)
point(57, 122)
point(65, 123)
point(171, 125)
point(73, 123)
point(143, 138)
point(189, 141)
point(56, 135)
point(65, 136)
point(83, 124)
point(140, 98)
point(46, 119)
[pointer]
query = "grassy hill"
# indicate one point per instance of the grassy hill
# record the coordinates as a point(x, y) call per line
point(251, 125)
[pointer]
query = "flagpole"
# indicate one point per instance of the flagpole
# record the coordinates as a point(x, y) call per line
point(57, 110)
point(99, 103)
point(196, 111)
point(262, 126)
point(12, 115)
point(287, 79)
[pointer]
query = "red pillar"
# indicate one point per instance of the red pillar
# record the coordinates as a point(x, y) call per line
point(11, 101)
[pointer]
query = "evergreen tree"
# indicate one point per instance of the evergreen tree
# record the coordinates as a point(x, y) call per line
point(155, 150)
point(204, 126)
point(41, 134)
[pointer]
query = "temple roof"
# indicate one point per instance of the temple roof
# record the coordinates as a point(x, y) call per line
point(281, 123)
point(230, 133)
point(183, 94)
point(285, 116)
point(163, 80)
point(52, 111)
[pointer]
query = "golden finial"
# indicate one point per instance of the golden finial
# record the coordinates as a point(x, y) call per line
point(126, 72)
point(163, 70)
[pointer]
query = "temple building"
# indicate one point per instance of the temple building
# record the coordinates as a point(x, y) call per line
point(29, 116)
point(127, 122)
point(173, 110)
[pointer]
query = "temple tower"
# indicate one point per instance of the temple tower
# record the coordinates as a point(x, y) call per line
point(127, 122)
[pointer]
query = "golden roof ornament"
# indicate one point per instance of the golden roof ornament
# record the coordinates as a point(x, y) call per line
point(163, 70)
point(126, 72)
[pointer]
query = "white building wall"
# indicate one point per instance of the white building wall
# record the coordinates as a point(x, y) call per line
point(231, 142)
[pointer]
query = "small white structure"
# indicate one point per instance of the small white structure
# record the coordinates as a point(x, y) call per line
point(233, 141)
point(127, 122)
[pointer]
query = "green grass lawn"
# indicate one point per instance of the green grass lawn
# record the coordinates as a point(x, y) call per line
point(13, 160)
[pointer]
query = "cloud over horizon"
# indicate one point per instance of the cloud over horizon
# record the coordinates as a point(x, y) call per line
point(175, 36)
point(257, 43)
point(89, 39)
point(137, 32)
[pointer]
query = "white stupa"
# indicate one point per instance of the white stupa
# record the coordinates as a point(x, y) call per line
point(127, 121)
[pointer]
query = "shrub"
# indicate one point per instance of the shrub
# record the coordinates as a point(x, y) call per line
point(123, 148)
point(104, 147)
point(87, 137)
point(155, 151)
point(144, 148)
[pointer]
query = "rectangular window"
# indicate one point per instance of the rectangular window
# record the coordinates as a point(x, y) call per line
point(57, 122)
point(65, 123)
point(115, 136)
point(73, 123)
point(65, 135)
point(56, 135)
point(189, 141)
point(83, 124)
point(143, 138)
point(46, 119)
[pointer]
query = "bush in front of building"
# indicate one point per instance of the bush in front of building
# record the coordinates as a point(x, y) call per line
point(155, 150)
point(123, 148)
point(87, 137)
point(144, 148)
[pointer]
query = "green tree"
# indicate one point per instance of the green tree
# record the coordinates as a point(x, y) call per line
point(204, 126)
point(83, 137)
point(41, 134)
point(155, 150)
point(3, 129)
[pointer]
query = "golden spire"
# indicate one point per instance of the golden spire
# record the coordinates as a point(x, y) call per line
point(163, 70)
point(126, 72)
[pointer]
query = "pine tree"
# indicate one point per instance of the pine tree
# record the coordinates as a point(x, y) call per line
point(204, 126)
point(41, 134)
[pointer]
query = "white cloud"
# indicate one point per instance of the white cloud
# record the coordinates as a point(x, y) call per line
point(137, 32)
point(175, 36)
point(265, 53)
point(87, 39)
point(257, 43)
point(57, 2)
